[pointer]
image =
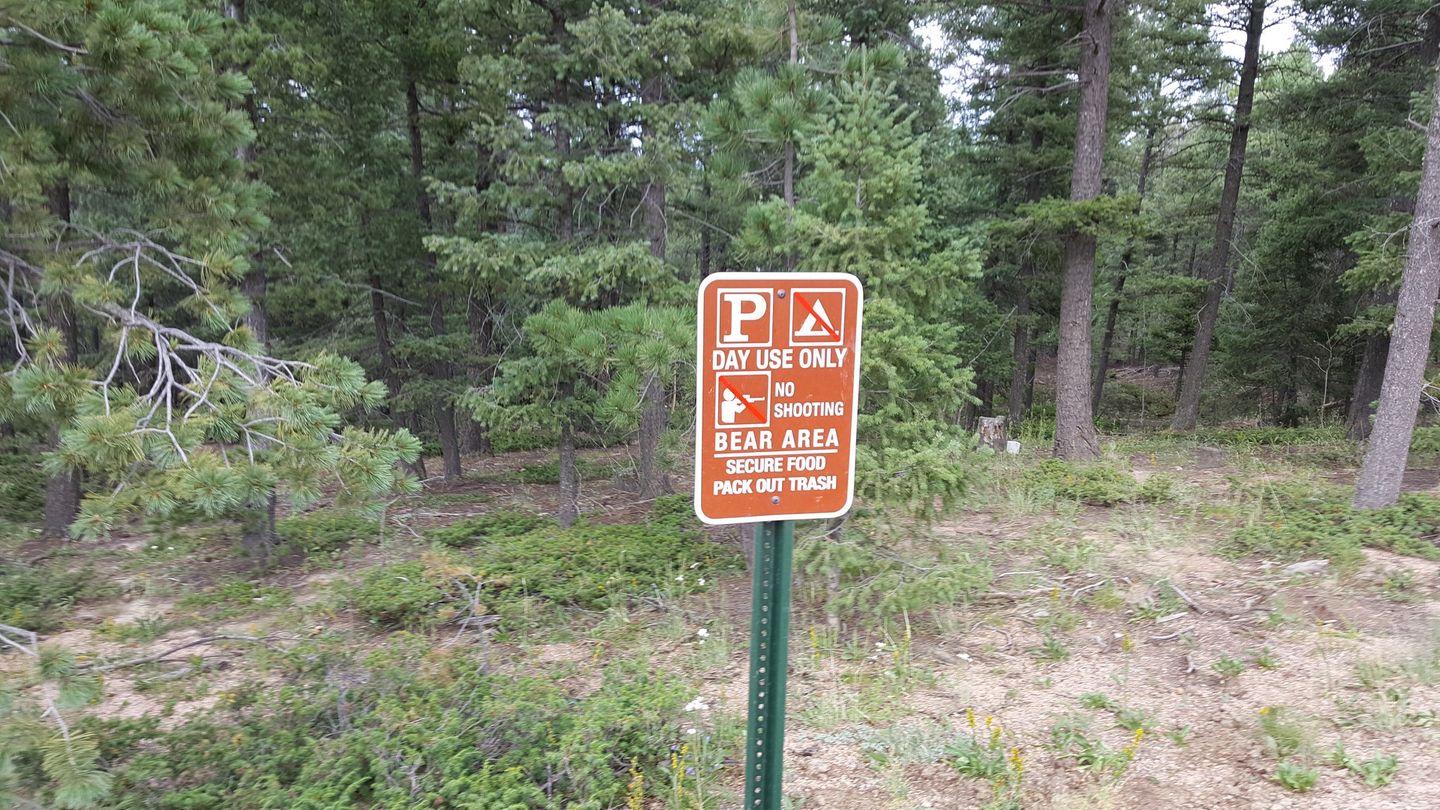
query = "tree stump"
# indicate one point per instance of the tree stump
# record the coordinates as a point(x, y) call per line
point(992, 433)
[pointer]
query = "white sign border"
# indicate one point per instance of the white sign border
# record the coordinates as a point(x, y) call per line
point(854, 394)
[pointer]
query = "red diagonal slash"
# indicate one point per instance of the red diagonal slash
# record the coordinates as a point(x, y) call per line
point(816, 316)
point(748, 404)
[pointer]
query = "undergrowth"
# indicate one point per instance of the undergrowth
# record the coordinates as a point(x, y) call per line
point(343, 733)
point(1297, 520)
point(590, 566)
point(36, 598)
point(490, 526)
point(1094, 484)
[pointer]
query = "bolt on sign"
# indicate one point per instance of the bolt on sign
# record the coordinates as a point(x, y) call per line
point(778, 381)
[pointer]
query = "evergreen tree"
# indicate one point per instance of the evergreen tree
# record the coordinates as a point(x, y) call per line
point(128, 222)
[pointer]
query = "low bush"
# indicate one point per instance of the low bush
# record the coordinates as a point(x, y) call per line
point(345, 735)
point(326, 530)
point(398, 595)
point(589, 566)
point(1299, 521)
point(597, 565)
point(489, 526)
point(22, 486)
point(36, 598)
point(1094, 484)
point(548, 472)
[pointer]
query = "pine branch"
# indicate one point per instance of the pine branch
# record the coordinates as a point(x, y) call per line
point(48, 41)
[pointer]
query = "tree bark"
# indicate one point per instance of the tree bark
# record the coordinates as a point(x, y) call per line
point(1102, 363)
point(1075, 437)
point(62, 492)
point(653, 421)
point(1389, 448)
point(444, 411)
point(482, 370)
point(1187, 409)
point(789, 170)
point(1020, 355)
point(1367, 387)
point(652, 200)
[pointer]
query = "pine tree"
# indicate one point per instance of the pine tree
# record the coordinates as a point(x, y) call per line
point(127, 229)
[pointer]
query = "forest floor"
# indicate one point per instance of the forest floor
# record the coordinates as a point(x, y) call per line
point(1116, 658)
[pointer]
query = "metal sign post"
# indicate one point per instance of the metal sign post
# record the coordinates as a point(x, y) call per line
point(777, 383)
point(769, 654)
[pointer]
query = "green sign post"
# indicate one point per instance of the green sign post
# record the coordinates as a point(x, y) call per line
point(777, 387)
point(769, 654)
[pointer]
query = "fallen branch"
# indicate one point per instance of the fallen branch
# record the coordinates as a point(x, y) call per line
point(31, 645)
point(1184, 597)
point(161, 656)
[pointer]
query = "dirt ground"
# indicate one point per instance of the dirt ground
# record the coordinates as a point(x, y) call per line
point(1129, 603)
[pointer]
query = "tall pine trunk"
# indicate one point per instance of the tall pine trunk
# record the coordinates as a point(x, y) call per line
point(1389, 449)
point(62, 492)
point(1020, 356)
point(259, 536)
point(1075, 437)
point(1102, 363)
point(1187, 410)
point(444, 410)
point(1367, 387)
point(655, 414)
point(788, 177)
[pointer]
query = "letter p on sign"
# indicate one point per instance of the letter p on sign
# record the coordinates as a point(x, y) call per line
point(745, 317)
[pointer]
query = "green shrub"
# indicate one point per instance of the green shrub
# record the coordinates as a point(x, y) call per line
point(36, 598)
point(879, 584)
point(1128, 401)
point(1299, 521)
point(598, 565)
point(492, 525)
point(408, 726)
point(1296, 777)
point(1269, 436)
point(1095, 484)
point(326, 530)
point(589, 565)
point(22, 487)
point(549, 472)
point(397, 595)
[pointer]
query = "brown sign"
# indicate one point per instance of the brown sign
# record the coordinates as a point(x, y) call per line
point(777, 383)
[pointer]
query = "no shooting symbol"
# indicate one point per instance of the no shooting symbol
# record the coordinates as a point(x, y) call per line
point(743, 400)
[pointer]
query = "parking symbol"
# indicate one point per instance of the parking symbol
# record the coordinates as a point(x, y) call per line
point(817, 317)
point(745, 318)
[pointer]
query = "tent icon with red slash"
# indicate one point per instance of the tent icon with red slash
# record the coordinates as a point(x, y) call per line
point(817, 317)
point(741, 400)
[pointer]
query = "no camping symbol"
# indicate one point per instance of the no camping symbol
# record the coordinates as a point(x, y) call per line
point(778, 382)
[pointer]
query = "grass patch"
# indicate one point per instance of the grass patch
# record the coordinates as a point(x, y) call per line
point(236, 598)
